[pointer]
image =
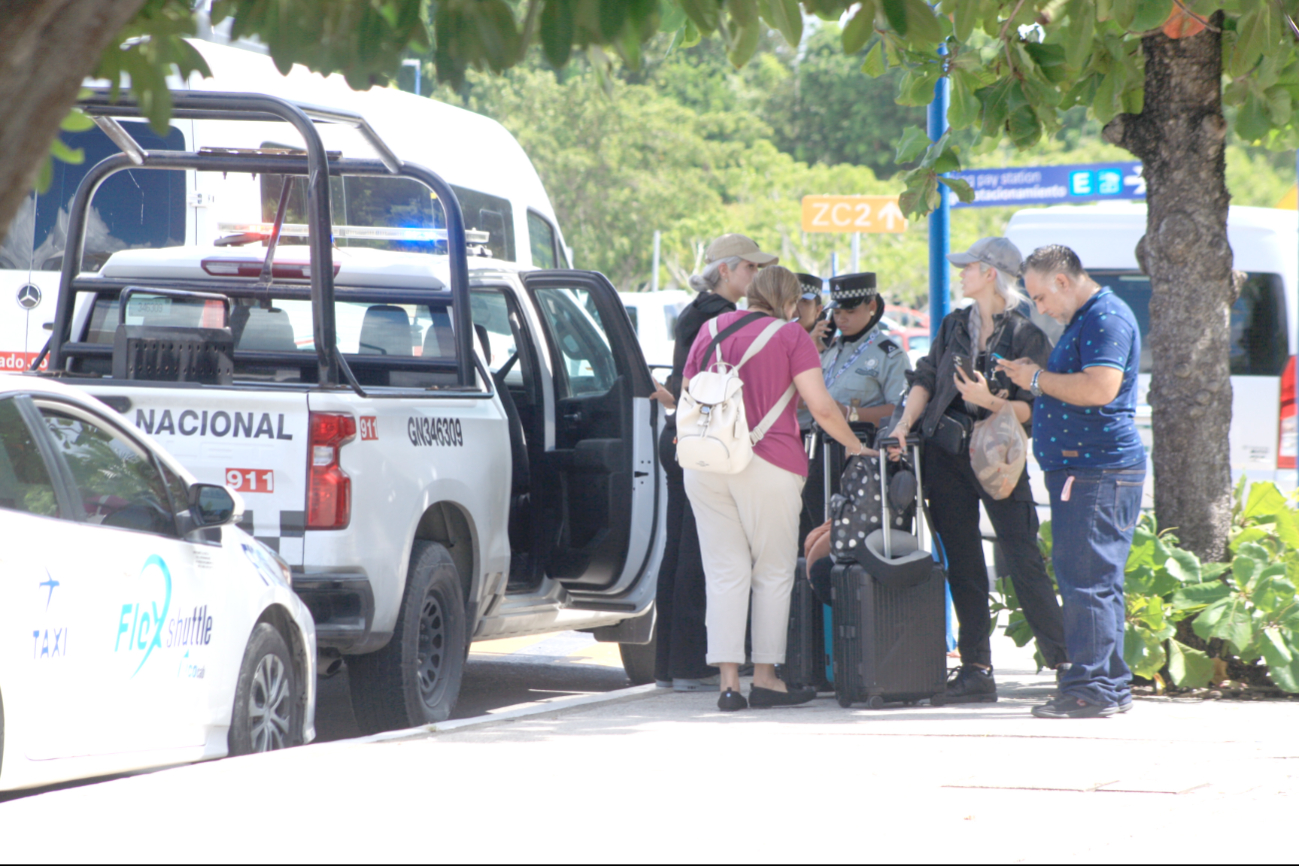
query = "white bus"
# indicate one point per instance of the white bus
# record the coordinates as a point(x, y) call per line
point(654, 316)
point(1263, 320)
point(499, 191)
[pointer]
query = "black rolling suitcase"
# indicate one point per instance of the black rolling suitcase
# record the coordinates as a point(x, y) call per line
point(890, 616)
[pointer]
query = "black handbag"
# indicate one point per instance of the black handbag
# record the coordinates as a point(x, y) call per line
point(952, 433)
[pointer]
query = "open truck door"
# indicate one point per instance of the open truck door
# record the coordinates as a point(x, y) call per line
point(608, 537)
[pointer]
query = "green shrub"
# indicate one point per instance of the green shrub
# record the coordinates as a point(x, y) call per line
point(1249, 605)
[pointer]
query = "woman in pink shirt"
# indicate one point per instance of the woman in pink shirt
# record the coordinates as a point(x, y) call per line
point(748, 522)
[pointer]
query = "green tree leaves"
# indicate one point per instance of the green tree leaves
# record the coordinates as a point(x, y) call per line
point(1014, 65)
point(152, 46)
point(787, 17)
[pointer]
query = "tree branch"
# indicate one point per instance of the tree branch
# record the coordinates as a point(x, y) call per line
point(1202, 20)
point(1010, 60)
point(1288, 19)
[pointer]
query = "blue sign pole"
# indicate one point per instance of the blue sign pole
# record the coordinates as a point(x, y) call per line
point(940, 242)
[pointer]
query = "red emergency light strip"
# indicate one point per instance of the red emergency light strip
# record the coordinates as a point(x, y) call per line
point(250, 267)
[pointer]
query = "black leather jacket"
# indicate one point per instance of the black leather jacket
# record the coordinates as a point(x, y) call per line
point(1013, 336)
point(705, 306)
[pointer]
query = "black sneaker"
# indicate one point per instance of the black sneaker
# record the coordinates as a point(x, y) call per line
point(1069, 707)
point(971, 685)
point(1125, 703)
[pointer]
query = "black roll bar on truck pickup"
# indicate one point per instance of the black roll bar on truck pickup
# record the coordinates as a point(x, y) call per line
point(317, 167)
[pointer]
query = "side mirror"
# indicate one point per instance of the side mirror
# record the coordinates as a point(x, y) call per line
point(212, 505)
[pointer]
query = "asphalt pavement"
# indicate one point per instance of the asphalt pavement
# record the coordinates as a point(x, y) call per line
point(499, 675)
point(643, 774)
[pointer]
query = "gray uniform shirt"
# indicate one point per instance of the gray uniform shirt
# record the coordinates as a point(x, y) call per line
point(876, 377)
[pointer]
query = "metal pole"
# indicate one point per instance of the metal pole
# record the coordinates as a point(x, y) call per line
point(940, 302)
point(654, 274)
point(834, 263)
point(856, 252)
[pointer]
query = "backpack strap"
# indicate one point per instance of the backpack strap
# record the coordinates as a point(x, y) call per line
point(716, 344)
point(762, 339)
point(756, 434)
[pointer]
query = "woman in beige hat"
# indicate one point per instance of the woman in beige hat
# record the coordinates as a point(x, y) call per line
point(730, 264)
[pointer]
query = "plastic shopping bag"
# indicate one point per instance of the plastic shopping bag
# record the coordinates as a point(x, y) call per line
point(998, 450)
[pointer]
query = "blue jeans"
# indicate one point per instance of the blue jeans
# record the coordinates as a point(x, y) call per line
point(1091, 535)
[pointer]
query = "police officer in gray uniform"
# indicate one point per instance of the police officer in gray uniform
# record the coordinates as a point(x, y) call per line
point(865, 372)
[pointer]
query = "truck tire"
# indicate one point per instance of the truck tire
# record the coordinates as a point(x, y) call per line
point(638, 660)
point(267, 715)
point(415, 679)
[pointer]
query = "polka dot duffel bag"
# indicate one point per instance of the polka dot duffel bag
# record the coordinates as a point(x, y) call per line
point(859, 509)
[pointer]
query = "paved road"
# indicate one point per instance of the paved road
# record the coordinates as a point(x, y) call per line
point(1171, 781)
point(499, 675)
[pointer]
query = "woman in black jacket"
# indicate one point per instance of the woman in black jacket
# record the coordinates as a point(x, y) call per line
point(951, 388)
point(730, 265)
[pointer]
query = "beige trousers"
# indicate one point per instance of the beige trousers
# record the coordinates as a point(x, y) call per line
point(748, 536)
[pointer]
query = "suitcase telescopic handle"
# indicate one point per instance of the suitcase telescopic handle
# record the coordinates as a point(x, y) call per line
point(890, 442)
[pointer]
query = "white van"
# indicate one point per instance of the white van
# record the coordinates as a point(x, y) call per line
point(1263, 319)
point(499, 191)
point(654, 316)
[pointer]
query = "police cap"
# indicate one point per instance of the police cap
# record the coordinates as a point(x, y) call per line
point(811, 286)
point(852, 289)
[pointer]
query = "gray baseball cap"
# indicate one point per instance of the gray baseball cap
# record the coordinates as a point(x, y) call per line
point(997, 252)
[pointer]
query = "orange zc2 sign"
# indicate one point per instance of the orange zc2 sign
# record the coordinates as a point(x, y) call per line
point(852, 213)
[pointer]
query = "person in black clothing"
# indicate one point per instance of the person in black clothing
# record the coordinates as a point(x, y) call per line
point(730, 265)
point(954, 386)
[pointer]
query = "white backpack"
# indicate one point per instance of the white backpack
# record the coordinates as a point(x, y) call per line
point(713, 433)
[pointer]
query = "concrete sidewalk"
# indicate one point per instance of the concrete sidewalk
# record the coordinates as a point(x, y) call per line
point(668, 777)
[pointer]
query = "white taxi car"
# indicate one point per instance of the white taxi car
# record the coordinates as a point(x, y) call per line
point(139, 626)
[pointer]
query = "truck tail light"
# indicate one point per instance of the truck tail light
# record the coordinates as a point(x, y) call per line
point(1288, 444)
point(329, 490)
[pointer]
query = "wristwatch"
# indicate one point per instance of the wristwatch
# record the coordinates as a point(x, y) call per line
point(1033, 386)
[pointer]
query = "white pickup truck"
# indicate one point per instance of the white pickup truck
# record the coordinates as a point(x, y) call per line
point(444, 447)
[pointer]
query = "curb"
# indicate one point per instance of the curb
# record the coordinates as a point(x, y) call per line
point(550, 707)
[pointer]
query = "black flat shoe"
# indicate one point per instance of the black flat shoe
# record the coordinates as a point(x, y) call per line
point(761, 699)
point(731, 701)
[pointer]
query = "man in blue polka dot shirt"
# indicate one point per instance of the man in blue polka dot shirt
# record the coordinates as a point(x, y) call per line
point(1085, 438)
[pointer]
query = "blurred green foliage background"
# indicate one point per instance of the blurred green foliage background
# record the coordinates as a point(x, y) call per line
point(692, 147)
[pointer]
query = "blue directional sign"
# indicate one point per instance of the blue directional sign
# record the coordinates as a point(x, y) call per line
point(1053, 184)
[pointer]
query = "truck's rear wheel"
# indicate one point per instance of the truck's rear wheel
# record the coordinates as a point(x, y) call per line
point(415, 679)
point(638, 660)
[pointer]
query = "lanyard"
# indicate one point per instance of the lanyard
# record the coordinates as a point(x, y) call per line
point(831, 377)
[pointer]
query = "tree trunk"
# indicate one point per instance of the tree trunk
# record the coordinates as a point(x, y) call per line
point(50, 47)
point(1179, 137)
